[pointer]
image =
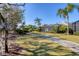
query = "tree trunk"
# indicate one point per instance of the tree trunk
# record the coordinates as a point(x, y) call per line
point(5, 32)
point(67, 25)
point(6, 41)
point(2, 44)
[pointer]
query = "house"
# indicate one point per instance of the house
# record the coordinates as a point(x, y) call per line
point(50, 27)
point(75, 26)
point(46, 28)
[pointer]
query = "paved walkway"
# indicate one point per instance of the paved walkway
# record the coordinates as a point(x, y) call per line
point(72, 45)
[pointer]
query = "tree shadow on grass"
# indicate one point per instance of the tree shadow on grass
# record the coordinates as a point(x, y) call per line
point(16, 50)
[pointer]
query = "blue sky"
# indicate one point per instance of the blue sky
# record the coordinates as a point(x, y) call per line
point(47, 13)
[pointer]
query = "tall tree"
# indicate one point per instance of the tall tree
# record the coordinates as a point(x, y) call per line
point(38, 23)
point(65, 14)
point(10, 17)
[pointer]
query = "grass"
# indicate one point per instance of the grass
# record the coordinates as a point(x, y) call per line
point(72, 38)
point(34, 46)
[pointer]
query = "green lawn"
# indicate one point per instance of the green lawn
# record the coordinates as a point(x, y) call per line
point(72, 38)
point(41, 47)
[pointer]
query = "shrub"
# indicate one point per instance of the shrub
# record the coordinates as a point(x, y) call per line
point(25, 29)
point(21, 32)
point(61, 29)
point(38, 29)
point(70, 31)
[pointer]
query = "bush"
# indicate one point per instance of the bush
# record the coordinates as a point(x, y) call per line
point(70, 31)
point(21, 32)
point(62, 29)
point(76, 33)
point(24, 29)
point(38, 29)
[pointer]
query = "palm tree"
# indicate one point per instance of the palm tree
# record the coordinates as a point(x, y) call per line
point(65, 14)
point(70, 7)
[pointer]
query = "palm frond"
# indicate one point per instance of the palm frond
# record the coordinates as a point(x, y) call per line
point(70, 7)
point(60, 12)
